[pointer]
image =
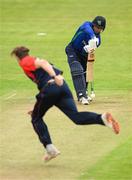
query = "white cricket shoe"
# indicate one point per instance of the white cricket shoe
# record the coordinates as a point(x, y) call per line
point(83, 101)
point(110, 122)
point(52, 152)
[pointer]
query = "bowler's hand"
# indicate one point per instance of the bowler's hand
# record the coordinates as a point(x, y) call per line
point(59, 80)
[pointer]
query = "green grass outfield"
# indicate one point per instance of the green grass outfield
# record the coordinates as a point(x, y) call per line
point(108, 169)
point(90, 152)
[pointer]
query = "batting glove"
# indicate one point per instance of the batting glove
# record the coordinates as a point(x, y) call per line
point(87, 48)
point(93, 43)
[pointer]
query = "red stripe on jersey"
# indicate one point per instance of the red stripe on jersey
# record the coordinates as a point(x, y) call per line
point(28, 66)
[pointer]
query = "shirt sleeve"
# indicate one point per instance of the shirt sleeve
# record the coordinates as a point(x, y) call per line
point(88, 29)
point(29, 64)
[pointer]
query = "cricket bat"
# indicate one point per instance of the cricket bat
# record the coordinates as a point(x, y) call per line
point(90, 72)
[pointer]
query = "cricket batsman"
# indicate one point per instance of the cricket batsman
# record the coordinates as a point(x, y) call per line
point(81, 55)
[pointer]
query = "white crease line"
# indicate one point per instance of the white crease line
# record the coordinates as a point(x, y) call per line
point(11, 96)
point(4, 96)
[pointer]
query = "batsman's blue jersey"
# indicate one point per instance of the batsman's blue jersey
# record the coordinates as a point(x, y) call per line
point(82, 36)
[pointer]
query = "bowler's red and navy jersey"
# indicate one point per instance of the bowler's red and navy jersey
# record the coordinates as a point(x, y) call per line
point(37, 75)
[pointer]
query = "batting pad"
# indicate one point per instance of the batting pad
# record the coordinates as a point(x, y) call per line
point(78, 78)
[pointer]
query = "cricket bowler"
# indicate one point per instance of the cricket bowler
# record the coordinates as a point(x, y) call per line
point(54, 91)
